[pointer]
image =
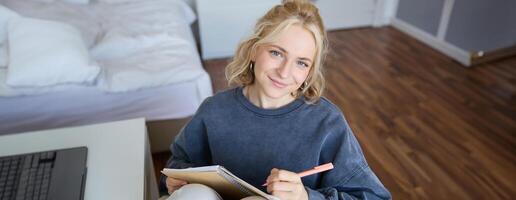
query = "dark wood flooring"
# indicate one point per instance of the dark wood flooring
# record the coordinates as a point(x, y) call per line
point(429, 127)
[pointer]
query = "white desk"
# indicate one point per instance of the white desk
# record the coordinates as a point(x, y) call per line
point(119, 160)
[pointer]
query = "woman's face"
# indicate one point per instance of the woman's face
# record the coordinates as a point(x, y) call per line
point(282, 67)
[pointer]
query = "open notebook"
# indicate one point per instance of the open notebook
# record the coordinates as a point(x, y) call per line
point(220, 179)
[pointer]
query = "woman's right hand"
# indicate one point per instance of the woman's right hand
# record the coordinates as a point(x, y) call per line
point(174, 184)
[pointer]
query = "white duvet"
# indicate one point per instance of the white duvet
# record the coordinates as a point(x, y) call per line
point(138, 44)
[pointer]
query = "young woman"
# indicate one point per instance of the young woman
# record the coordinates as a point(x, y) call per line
point(275, 122)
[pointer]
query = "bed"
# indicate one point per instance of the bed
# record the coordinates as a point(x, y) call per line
point(148, 58)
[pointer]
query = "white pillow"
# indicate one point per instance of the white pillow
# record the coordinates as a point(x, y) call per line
point(5, 15)
point(44, 1)
point(77, 1)
point(44, 53)
point(186, 10)
point(116, 45)
point(68, 1)
point(117, 1)
point(3, 55)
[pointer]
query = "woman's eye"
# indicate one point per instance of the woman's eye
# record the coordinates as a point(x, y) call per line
point(302, 63)
point(275, 53)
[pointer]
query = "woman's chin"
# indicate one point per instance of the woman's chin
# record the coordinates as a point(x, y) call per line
point(276, 93)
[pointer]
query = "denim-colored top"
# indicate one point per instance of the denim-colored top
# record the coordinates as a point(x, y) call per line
point(249, 141)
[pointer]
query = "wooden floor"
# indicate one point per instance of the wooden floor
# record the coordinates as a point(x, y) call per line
point(429, 128)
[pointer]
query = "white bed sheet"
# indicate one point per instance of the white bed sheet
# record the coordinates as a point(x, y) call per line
point(89, 105)
point(29, 109)
point(138, 44)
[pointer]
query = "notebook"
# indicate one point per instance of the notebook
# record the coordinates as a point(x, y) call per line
point(220, 179)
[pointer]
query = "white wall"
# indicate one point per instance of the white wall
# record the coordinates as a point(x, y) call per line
point(341, 14)
point(222, 23)
point(459, 28)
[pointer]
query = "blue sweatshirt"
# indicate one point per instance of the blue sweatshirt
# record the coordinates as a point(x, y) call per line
point(249, 141)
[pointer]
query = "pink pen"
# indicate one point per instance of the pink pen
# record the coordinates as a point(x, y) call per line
point(315, 170)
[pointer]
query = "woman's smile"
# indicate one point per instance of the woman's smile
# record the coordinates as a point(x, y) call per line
point(278, 84)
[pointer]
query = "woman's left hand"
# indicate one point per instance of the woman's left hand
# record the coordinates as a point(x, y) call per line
point(286, 185)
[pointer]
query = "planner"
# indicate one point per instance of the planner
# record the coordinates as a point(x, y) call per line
point(220, 179)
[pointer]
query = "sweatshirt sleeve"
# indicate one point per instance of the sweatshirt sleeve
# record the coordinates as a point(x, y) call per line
point(190, 147)
point(351, 178)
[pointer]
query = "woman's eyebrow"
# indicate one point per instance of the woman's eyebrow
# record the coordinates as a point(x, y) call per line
point(307, 59)
point(280, 48)
point(285, 51)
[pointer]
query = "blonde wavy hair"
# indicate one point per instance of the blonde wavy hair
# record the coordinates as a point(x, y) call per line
point(267, 30)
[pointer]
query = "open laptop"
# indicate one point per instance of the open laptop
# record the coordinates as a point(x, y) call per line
point(54, 175)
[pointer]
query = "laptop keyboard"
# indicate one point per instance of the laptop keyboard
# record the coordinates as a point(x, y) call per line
point(26, 176)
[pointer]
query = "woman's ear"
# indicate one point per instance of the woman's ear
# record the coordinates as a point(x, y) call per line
point(253, 54)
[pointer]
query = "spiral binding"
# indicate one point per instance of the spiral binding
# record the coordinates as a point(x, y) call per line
point(232, 180)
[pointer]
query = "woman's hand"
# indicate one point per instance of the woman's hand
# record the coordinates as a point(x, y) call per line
point(286, 185)
point(174, 184)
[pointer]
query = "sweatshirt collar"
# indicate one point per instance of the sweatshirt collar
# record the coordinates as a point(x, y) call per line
point(267, 112)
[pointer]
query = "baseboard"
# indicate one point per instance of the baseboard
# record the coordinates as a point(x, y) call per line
point(444, 47)
point(483, 57)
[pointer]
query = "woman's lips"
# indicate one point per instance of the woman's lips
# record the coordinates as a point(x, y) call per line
point(277, 83)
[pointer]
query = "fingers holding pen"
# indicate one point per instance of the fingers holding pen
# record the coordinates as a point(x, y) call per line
point(285, 184)
point(283, 175)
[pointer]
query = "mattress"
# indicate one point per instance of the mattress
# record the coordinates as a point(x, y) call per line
point(90, 105)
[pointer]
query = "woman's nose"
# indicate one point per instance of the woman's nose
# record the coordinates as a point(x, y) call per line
point(284, 69)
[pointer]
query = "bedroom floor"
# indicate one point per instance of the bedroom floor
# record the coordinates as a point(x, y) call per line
point(429, 128)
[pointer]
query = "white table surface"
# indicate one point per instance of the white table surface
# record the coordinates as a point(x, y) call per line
point(117, 152)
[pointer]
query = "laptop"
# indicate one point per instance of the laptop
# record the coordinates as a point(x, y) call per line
point(53, 175)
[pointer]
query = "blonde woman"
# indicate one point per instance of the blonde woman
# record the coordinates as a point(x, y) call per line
point(275, 122)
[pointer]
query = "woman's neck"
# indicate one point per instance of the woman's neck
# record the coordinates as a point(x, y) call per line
point(260, 99)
